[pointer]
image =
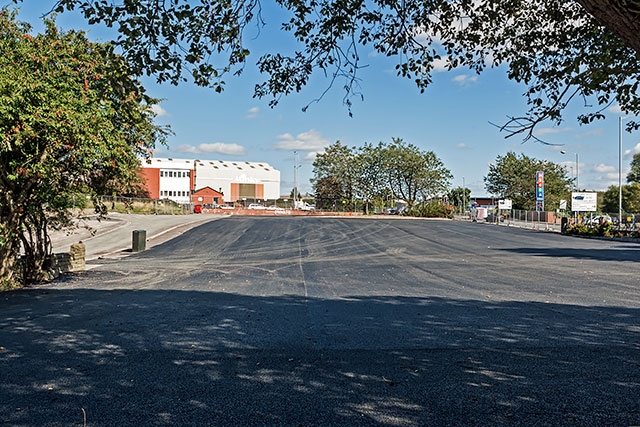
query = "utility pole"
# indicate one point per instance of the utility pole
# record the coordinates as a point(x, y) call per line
point(295, 179)
point(464, 197)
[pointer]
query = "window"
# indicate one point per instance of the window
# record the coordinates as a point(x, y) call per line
point(188, 174)
point(161, 174)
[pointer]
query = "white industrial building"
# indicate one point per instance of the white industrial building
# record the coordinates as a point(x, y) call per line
point(237, 181)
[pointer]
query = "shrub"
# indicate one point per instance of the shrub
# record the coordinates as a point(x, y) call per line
point(603, 229)
point(581, 229)
point(431, 210)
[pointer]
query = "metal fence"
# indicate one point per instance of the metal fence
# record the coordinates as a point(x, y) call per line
point(552, 221)
point(144, 206)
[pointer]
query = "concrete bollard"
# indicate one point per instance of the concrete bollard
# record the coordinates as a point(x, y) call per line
point(139, 240)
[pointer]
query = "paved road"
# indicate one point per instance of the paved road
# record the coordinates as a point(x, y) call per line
point(327, 322)
point(112, 236)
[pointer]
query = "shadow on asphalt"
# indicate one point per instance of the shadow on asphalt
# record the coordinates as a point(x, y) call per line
point(156, 357)
point(622, 252)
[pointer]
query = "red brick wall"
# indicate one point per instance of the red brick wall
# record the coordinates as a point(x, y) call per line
point(151, 178)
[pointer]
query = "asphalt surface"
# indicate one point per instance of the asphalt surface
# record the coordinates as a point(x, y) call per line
point(332, 322)
point(112, 236)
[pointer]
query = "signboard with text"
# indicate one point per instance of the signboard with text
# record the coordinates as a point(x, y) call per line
point(584, 202)
point(539, 186)
point(504, 204)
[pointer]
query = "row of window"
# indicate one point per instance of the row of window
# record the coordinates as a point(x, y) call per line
point(174, 193)
point(175, 174)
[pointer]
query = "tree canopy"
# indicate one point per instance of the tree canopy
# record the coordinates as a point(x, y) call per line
point(513, 177)
point(459, 197)
point(562, 50)
point(72, 119)
point(394, 170)
point(634, 172)
point(630, 198)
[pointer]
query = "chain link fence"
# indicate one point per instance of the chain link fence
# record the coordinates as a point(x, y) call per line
point(144, 206)
point(552, 221)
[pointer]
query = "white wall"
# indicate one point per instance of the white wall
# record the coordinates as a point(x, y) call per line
point(219, 175)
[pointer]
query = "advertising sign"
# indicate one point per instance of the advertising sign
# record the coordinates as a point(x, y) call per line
point(584, 202)
point(539, 186)
point(504, 204)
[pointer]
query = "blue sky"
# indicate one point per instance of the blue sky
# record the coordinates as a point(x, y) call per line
point(452, 118)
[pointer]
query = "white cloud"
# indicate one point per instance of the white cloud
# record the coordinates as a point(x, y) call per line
point(615, 109)
point(463, 146)
point(159, 111)
point(601, 168)
point(550, 131)
point(215, 148)
point(252, 113)
point(631, 152)
point(311, 140)
point(590, 133)
point(310, 157)
point(440, 65)
point(465, 79)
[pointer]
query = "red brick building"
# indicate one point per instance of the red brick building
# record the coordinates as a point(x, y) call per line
point(207, 196)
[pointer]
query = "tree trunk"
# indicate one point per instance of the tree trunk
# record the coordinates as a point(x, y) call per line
point(8, 254)
point(621, 17)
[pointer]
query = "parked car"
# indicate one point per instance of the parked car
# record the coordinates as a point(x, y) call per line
point(255, 206)
point(595, 221)
point(492, 217)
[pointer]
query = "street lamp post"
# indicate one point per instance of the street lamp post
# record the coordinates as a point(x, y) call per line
point(577, 182)
point(464, 197)
point(295, 179)
point(577, 175)
point(620, 119)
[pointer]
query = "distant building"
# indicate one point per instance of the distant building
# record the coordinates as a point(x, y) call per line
point(485, 202)
point(169, 178)
point(228, 181)
point(207, 196)
point(239, 181)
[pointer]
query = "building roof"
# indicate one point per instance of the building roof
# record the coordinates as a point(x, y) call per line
point(234, 165)
point(159, 162)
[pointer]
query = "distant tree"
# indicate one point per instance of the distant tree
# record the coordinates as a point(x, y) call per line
point(369, 174)
point(560, 49)
point(412, 174)
point(634, 173)
point(295, 193)
point(513, 177)
point(458, 196)
point(337, 162)
point(396, 170)
point(73, 121)
point(329, 192)
point(630, 199)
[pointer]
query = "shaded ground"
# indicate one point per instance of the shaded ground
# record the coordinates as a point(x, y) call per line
point(304, 322)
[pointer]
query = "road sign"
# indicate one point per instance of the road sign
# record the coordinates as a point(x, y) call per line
point(504, 204)
point(584, 202)
point(539, 186)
